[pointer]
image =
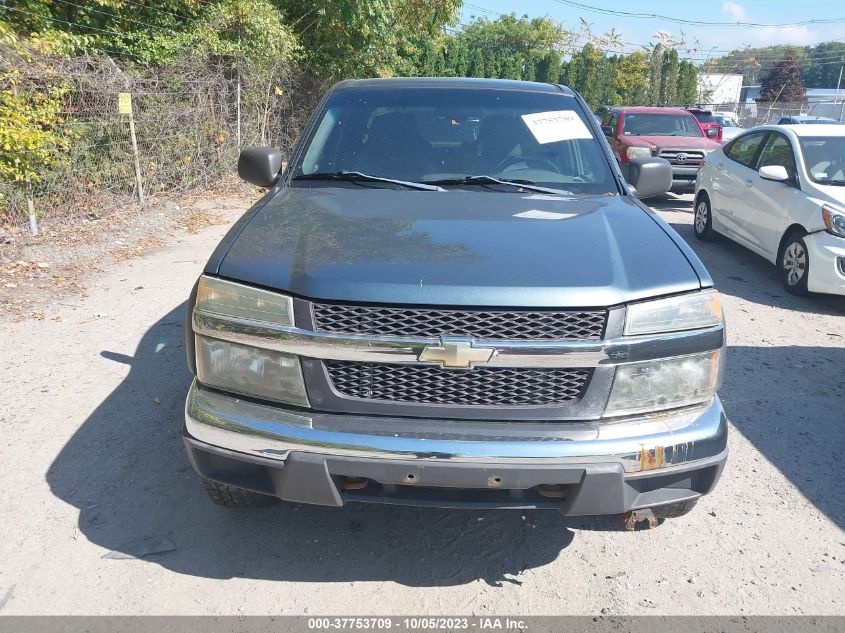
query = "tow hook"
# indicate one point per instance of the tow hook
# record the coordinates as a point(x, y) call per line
point(630, 519)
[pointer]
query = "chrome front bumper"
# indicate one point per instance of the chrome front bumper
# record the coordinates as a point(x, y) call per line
point(656, 441)
point(603, 467)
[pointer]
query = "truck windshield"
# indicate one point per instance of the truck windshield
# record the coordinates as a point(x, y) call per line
point(450, 136)
point(653, 124)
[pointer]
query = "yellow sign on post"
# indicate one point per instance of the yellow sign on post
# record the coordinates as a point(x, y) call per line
point(124, 103)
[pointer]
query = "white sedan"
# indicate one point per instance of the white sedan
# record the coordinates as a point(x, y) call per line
point(779, 190)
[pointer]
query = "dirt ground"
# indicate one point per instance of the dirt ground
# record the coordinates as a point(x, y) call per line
point(94, 472)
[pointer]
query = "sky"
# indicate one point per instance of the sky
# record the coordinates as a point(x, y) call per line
point(707, 41)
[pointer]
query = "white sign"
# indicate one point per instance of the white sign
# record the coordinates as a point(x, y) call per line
point(560, 125)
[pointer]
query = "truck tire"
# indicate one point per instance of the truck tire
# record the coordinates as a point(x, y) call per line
point(232, 497)
point(674, 510)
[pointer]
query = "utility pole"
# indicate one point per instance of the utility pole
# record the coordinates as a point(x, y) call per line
point(836, 98)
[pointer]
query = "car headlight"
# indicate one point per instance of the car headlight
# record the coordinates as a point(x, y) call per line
point(637, 152)
point(240, 368)
point(834, 221)
point(664, 384)
point(230, 299)
point(674, 314)
point(250, 371)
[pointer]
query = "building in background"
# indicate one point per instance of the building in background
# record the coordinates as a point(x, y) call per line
point(718, 89)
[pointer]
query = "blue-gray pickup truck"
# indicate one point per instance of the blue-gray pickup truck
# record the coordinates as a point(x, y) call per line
point(451, 297)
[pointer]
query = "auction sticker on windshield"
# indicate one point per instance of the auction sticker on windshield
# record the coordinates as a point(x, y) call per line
point(559, 125)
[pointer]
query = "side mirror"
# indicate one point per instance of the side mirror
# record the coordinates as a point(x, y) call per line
point(774, 172)
point(649, 176)
point(260, 165)
point(607, 129)
point(712, 132)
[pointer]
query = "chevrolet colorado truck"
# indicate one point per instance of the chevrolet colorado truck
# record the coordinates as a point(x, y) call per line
point(669, 133)
point(451, 297)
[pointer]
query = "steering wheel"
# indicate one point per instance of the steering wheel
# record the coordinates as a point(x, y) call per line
point(539, 163)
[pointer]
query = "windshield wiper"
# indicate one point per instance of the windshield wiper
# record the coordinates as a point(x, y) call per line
point(488, 180)
point(357, 176)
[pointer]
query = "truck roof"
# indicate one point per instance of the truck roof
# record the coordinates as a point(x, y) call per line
point(648, 110)
point(452, 82)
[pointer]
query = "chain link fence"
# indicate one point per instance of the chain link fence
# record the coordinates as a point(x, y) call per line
point(750, 114)
point(190, 120)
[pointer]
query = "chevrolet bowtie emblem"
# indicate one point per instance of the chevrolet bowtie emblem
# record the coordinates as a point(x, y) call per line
point(457, 353)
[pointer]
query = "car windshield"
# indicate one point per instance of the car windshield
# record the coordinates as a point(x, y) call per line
point(447, 136)
point(653, 124)
point(705, 118)
point(824, 157)
point(726, 122)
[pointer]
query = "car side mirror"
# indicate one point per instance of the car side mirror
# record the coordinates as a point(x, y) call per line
point(774, 172)
point(649, 176)
point(260, 165)
point(712, 132)
point(607, 129)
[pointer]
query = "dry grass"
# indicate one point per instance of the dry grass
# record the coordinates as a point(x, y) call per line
point(53, 266)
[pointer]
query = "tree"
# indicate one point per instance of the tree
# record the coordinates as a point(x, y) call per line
point(687, 83)
point(514, 36)
point(457, 58)
point(655, 72)
point(669, 77)
point(632, 87)
point(31, 134)
point(363, 38)
point(825, 72)
point(476, 64)
point(783, 82)
point(548, 67)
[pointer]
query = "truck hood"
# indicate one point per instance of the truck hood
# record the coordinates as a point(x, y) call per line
point(456, 248)
point(682, 142)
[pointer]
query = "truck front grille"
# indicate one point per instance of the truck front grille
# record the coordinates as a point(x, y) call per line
point(693, 156)
point(481, 386)
point(482, 324)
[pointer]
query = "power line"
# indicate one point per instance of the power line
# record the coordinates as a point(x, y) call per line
point(657, 16)
point(708, 52)
point(175, 15)
point(52, 19)
point(116, 17)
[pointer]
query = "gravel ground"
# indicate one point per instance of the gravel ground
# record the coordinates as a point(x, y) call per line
point(95, 470)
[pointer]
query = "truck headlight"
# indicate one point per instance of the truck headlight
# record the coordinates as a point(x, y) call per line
point(834, 221)
point(637, 152)
point(240, 368)
point(664, 384)
point(684, 312)
point(250, 371)
point(230, 299)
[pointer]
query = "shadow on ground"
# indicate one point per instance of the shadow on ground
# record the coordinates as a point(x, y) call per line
point(126, 471)
point(788, 401)
point(739, 272)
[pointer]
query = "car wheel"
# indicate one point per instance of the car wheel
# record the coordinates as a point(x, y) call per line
point(232, 497)
point(702, 220)
point(794, 264)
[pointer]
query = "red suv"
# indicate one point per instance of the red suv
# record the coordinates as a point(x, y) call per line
point(669, 133)
point(708, 123)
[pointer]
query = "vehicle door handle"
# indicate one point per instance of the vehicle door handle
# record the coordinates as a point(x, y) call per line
point(749, 183)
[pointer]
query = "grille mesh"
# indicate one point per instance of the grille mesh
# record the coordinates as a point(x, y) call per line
point(433, 323)
point(482, 386)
